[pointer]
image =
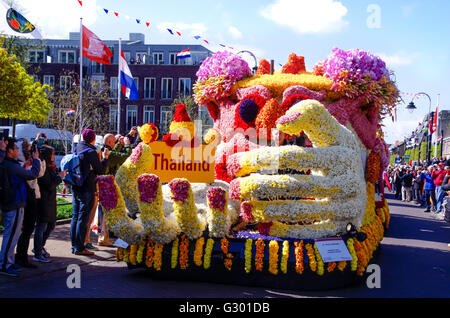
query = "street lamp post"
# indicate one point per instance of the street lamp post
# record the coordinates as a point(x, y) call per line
point(411, 107)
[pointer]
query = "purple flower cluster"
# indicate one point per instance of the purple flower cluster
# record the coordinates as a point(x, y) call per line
point(352, 67)
point(107, 194)
point(224, 63)
point(148, 187)
point(216, 198)
point(180, 189)
point(217, 76)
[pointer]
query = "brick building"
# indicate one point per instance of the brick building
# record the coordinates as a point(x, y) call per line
point(158, 74)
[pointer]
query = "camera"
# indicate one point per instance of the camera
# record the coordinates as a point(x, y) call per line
point(4, 133)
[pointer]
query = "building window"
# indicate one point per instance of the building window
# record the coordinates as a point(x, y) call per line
point(36, 56)
point(149, 114)
point(131, 116)
point(173, 58)
point(149, 87)
point(166, 119)
point(97, 82)
point(66, 56)
point(141, 57)
point(65, 82)
point(184, 86)
point(113, 87)
point(166, 88)
point(49, 80)
point(97, 68)
point(113, 117)
point(158, 58)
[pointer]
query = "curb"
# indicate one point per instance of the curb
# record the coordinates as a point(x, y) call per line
point(63, 221)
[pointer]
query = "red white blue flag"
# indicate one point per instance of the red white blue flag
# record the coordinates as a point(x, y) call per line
point(129, 88)
point(184, 54)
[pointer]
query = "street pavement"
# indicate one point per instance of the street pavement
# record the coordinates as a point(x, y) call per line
point(414, 259)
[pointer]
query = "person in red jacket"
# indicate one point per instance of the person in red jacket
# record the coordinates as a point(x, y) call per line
point(438, 176)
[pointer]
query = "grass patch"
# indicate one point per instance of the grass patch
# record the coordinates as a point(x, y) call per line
point(63, 211)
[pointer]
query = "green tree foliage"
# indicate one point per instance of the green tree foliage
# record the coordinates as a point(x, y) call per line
point(21, 97)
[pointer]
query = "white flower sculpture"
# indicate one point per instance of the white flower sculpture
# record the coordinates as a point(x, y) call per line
point(298, 205)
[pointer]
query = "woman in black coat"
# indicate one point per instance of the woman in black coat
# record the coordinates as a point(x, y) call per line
point(46, 216)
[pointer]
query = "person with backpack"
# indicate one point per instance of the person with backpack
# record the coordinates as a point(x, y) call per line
point(13, 207)
point(84, 192)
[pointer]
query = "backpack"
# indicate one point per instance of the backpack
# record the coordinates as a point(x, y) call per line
point(6, 191)
point(72, 163)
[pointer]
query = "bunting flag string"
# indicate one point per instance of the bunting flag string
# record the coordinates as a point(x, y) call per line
point(171, 31)
point(80, 2)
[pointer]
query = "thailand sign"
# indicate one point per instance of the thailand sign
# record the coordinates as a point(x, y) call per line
point(195, 164)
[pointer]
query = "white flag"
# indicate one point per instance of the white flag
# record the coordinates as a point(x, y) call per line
point(15, 24)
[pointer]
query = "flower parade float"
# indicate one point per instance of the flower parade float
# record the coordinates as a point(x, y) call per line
point(299, 158)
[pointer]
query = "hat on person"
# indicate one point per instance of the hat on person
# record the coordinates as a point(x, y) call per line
point(88, 135)
point(441, 164)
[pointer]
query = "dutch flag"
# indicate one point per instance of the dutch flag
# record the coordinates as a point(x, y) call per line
point(70, 112)
point(184, 54)
point(126, 79)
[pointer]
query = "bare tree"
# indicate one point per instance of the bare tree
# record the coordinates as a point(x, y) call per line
point(95, 116)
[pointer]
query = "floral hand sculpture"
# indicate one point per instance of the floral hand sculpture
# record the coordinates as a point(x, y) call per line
point(116, 217)
point(140, 162)
point(190, 222)
point(219, 222)
point(160, 229)
point(280, 202)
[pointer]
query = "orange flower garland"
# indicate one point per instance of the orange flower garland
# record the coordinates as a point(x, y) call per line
point(362, 258)
point(119, 254)
point(198, 252)
point(331, 266)
point(373, 167)
point(299, 257)
point(341, 265)
point(184, 252)
point(157, 260)
point(228, 259)
point(149, 253)
point(259, 256)
point(311, 257)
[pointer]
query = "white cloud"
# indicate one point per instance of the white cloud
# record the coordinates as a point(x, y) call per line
point(55, 19)
point(306, 16)
point(235, 33)
point(399, 59)
point(184, 28)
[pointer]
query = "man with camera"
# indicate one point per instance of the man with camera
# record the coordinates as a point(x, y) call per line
point(13, 208)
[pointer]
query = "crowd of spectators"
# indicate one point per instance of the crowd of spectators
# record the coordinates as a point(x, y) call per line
point(425, 183)
point(29, 179)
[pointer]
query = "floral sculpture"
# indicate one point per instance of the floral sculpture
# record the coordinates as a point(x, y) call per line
point(160, 229)
point(301, 153)
point(140, 162)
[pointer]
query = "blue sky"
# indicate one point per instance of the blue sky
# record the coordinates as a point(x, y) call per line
point(411, 36)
